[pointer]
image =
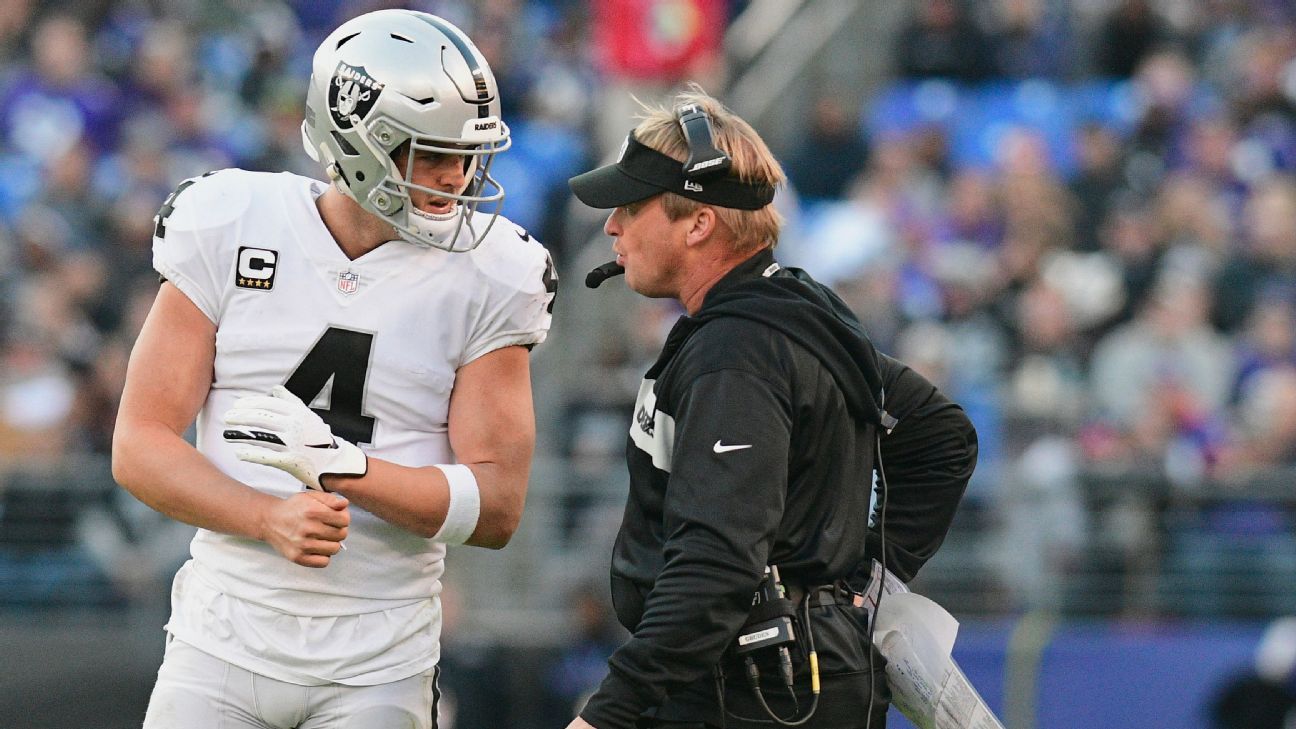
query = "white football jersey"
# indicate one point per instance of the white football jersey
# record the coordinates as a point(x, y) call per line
point(373, 345)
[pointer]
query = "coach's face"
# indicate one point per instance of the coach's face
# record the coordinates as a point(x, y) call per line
point(650, 246)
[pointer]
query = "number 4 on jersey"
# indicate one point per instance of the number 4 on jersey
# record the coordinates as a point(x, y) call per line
point(341, 355)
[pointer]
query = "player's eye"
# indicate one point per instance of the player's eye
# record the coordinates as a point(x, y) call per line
point(441, 159)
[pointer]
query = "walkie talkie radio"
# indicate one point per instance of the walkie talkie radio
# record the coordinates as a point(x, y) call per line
point(769, 623)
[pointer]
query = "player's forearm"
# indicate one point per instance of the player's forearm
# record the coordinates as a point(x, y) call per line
point(417, 499)
point(168, 474)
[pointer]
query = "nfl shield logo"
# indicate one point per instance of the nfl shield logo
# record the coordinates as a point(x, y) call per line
point(348, 282)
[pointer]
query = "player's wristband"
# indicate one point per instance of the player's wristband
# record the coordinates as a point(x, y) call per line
point(465, 505)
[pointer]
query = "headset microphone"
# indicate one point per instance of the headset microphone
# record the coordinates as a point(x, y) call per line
point(603, 273)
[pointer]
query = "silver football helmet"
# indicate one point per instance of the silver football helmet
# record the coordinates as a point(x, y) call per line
point(395, 76)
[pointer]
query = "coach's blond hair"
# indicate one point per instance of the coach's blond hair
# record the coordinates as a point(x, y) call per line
point(752, 162)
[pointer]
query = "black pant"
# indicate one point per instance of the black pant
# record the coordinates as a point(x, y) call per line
point(843, 704)
point(846, 665)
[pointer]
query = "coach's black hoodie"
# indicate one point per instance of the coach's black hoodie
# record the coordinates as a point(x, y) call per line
point(752, 443)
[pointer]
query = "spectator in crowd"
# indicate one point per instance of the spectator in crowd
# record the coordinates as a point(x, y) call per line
point(972, 213)
point(1032, 39)
point(15, 17)
point(578, 668)
point(1192, 219)
point(1129, 238)
point(1097, 182)
point(1211, 152)
point(59, 97)
point(1038, 209)
point(1165, 376)
point(829, 154)
point(1257, 85)
point(1266, 261)
point(1046, 382)
point(1268, 422)
point(1169, 99)
point(38, 388)
point(1128, 35)
point(941, 40)
point(1269, 342)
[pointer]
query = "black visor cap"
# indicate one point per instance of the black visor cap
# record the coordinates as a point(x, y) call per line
point(642, 172)
point(609, 187)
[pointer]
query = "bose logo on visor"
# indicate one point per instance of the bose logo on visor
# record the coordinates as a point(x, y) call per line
point(707, 164)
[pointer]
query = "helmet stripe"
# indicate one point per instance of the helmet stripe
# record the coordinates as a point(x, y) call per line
point(455, 36)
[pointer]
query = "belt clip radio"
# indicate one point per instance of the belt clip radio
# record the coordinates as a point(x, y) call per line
point(769, 624)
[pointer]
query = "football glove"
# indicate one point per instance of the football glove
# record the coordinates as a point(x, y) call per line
point(280, 430)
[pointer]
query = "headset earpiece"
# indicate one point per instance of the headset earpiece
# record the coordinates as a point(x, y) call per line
point(704, 158)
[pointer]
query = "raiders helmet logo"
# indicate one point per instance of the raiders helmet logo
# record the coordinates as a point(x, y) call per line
point(352, 94)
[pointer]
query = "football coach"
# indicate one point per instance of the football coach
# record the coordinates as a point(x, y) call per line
point(752, 521)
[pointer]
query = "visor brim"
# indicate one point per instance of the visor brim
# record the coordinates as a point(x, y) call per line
point(610, 187)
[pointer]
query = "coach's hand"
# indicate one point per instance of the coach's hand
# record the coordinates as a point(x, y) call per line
point(307, 527)
point(279, 430)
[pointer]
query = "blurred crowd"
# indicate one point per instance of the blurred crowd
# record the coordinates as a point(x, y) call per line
point(1077, 216)
point(1080, 219)
point(1122, 272)
point(106, 106)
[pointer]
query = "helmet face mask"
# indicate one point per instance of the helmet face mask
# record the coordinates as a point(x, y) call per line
point(393, 77)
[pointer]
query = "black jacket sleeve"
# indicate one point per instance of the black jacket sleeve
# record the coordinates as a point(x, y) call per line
point(927, 460)
point(723, 504)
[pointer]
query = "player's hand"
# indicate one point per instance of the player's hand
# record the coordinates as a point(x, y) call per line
point(308, 527)
point(279, 430)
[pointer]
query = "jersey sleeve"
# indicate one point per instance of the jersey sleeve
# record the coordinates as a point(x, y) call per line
point(519, 305)
point(187, 233)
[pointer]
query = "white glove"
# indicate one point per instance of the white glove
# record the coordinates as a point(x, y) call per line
point(279, 430)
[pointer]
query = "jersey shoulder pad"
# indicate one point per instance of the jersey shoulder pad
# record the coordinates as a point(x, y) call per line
point(212, 200)
point(514, 258)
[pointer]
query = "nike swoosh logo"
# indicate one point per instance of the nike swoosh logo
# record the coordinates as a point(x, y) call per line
point(721, 448)
point(252, 435)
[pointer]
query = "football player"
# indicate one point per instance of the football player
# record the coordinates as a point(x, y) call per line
point(355, 356)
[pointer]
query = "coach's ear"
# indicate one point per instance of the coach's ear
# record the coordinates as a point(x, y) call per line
point(703, 225)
